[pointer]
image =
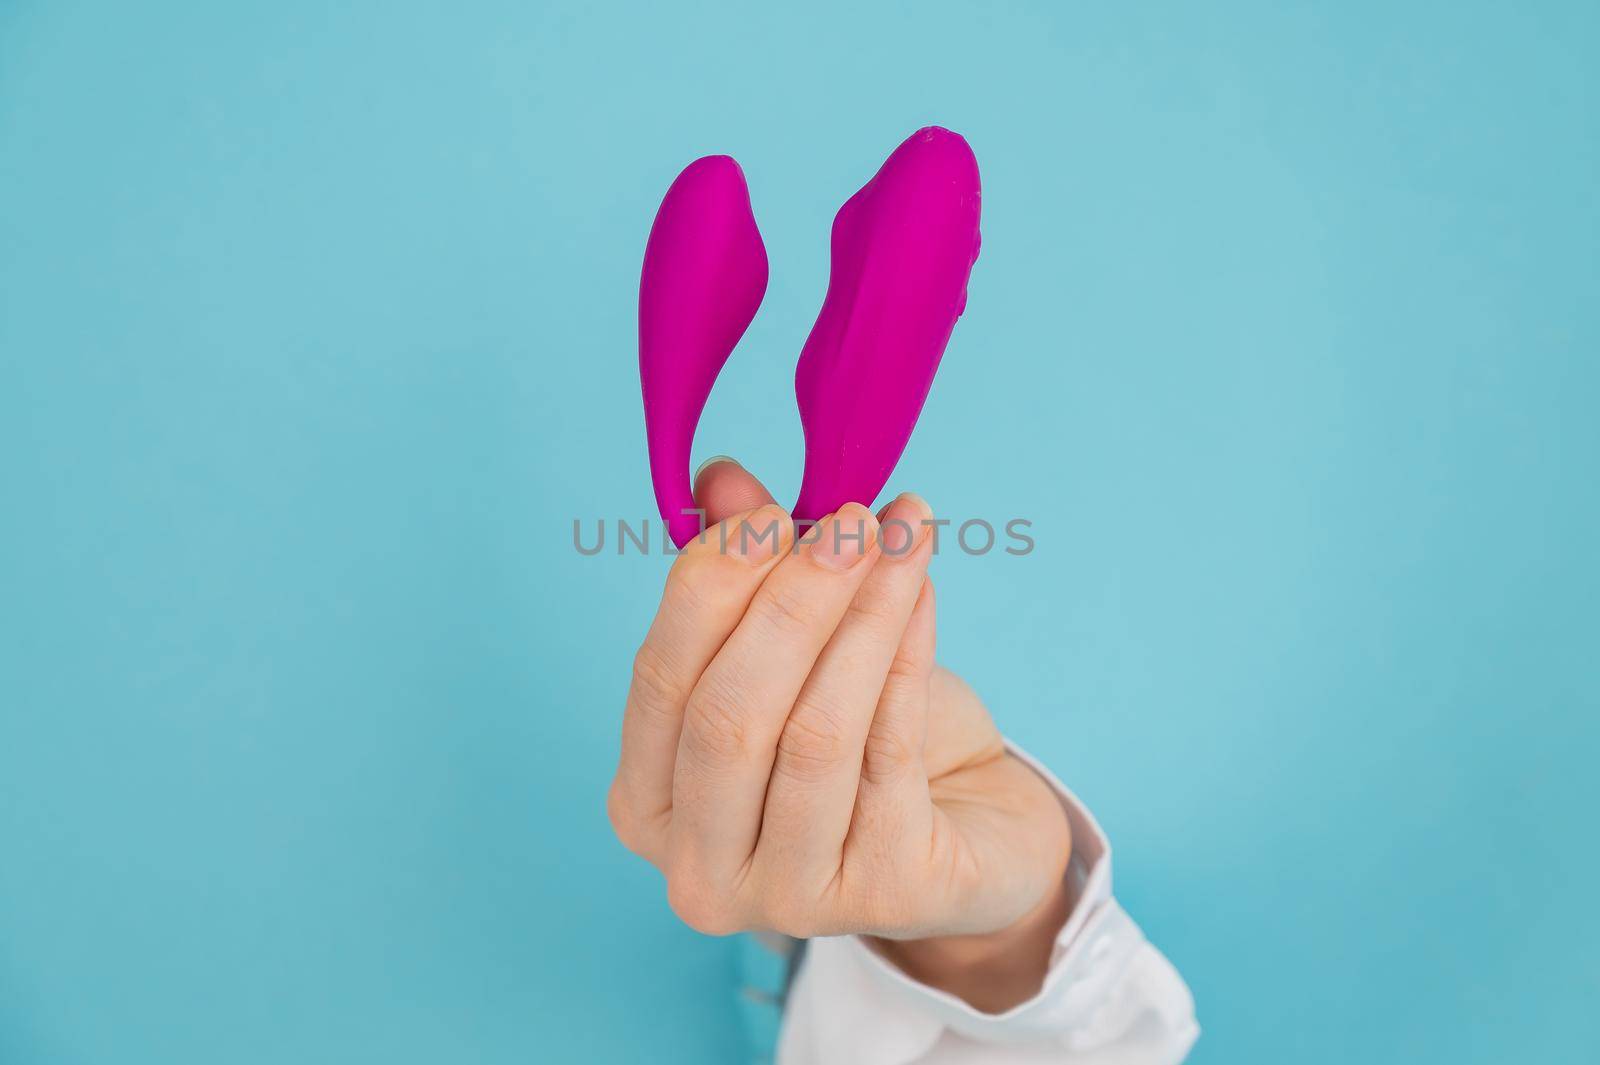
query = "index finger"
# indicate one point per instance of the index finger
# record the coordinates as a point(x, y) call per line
point(707, 592)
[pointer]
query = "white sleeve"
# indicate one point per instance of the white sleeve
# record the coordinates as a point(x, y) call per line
point(1109, 998)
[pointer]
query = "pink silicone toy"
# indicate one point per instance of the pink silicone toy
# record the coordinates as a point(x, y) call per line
point(705, 271)
point(902, 249)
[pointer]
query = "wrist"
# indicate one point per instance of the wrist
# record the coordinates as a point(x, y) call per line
point(992, 971)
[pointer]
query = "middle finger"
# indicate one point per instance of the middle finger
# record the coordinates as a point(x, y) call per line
point(738, 708)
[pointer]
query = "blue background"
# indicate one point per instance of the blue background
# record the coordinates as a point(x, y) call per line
point(316, 333)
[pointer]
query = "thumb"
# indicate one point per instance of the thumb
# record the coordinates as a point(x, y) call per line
point(723, 488)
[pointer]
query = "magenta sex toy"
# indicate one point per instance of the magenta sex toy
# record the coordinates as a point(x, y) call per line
point(705, 271)
point(902, 250)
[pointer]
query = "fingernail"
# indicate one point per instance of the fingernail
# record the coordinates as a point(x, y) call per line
point(712, 461)
point(846, 538)
point(903, 525)
point(757, 537)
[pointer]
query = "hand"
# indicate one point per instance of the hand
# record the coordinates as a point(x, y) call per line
point(793, 760)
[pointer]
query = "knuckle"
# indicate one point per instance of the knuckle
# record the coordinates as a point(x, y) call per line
point(623, 821)
point(716, 725)
point(888, 755)
point(631, 829)
point(908, 667)
point(873, 609)
point(699, 906)
point(786, 611)
point(814, 742)
point(655, 687)
point(694, 588)
point(688, 593)
point(855, 658)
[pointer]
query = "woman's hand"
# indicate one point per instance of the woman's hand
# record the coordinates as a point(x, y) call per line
point(793, 760)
